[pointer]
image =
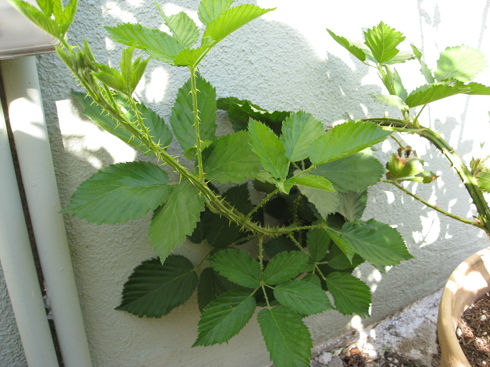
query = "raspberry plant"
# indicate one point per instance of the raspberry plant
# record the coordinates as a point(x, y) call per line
point(307, 229)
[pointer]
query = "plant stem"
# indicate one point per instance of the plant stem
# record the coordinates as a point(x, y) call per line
point(195, 112)
point(442, 211)
point(456, 162)
point(264, 201)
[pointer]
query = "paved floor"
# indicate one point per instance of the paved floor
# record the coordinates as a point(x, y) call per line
point(406, 339)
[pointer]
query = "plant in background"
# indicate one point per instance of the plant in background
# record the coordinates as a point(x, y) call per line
point(456, 67)
point(307, 230)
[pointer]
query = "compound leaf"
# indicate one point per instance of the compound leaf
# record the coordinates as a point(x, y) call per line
point(156, 43)
point(240, 111)
point(346, 139)
point(286, 337)
point(325, 202)
point(432, 92)
point(183, 28)
point(303, 297)
point(299, 131)
point(175, 220)
point(355, 172)
point(318, 243)
point(237, 266)
point(211, 285)
point(120, 192)
point(229, 159)
point(224, 317)
point(269, 149)
point(354, 50)
point(284, 266)
point(383, 40)
point(229, 21)
point(209, 10)
point(459, 63)
point(153, 289)
point(350, 294)
point(182, 118)
point(376, 242)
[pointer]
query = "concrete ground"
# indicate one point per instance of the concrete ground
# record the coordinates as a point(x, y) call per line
point(405, 339)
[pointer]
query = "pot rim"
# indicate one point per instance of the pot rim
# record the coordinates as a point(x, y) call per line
point(469, 281)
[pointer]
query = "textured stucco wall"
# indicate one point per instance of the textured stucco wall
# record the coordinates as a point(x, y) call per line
point(284, 60)
point(11, 352)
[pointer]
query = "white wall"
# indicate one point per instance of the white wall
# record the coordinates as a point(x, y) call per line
point(285, 60)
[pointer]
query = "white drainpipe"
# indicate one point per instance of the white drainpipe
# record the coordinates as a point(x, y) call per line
point(18, 266)
point(25, 110)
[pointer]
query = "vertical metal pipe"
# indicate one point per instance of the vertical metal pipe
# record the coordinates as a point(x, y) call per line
point(31, 139)
point(18, 265)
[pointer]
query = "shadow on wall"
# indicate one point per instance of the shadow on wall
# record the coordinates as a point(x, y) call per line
point(272, 65)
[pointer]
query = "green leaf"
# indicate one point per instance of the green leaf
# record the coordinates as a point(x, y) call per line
point(346, 139)
point(209, 10)
point(46, 6)
point(355, 172)
point(120, 192)
point(383, 40)
point(68, 16)
point(424, 69)
point(354, 50)
point(269, 150)
point(175, 220)
point(391, 100)
point(237, 266)
point(183, 28)
point(352, 205)
point(182, 118)
point(318, 243)
point(211, 285)
point(394, 85)
point(342, 244)
point(37, 17)
point(101, 118)
point(286, 337)
point(338, 261)
point(314, 181)
point(224, 317)
point(325, 202)
point(400, 58)
point(111, 77)
point(478, 89)
point(483, 179)
point(376, 242)
point(153, 289)
point(459, 63)
point(189, 57)
point(158, 129)
point(229, 159)
point(285, 266)
point(277, 245)
point(350, 294)
point(156, 43)
point(240, 111)
point(303, 297)
point(229, 21)
point(299, 131)
point(432, 92)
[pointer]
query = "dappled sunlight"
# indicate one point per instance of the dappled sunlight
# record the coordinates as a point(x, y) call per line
point(84, 139)
point(154, 86)
point(111, 8)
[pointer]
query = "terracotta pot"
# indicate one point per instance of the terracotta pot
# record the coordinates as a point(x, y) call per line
point(468, 282)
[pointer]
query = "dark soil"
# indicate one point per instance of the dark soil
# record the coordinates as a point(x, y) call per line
point(474, 332)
